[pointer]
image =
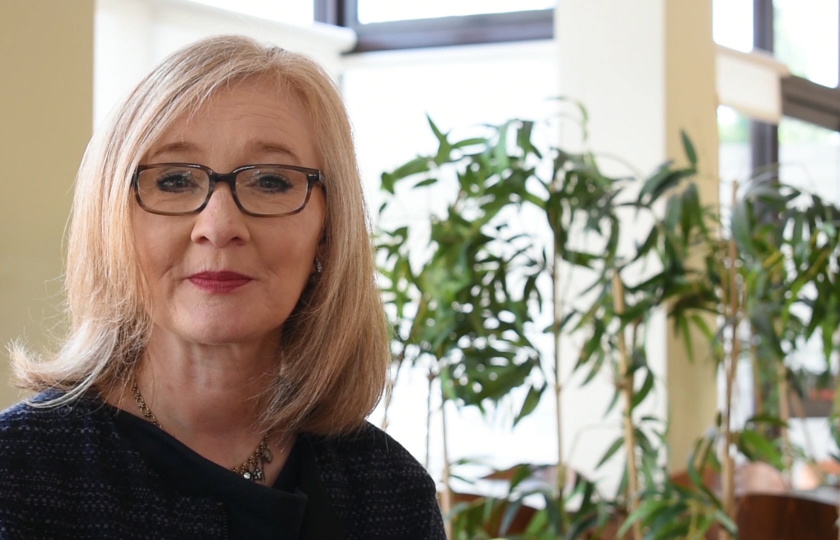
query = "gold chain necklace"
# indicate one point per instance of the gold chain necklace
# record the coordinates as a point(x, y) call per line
point(251, 469)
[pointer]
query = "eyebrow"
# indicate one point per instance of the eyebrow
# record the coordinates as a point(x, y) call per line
point(263, 147)
point(260, 147)
point(173, 147)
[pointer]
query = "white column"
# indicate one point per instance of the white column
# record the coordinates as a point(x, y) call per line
point(645, 70)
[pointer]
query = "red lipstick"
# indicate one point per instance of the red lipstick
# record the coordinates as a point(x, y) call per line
point(219, 282)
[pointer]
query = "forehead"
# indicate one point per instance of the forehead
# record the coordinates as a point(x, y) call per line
point(240, 120)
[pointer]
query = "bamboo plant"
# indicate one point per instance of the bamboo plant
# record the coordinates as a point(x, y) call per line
point(469, 302)
point(499, 176)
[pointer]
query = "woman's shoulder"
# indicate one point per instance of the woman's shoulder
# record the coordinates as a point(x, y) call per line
point(48, 407)
point(44, 417)
point(369, 451)
point(377, 487)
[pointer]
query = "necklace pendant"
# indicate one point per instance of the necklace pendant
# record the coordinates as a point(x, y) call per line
point(251, 469)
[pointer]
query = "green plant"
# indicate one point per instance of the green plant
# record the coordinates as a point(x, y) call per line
point(469, 304)
point(458, 312)
point(478, 267)
point(488, 517)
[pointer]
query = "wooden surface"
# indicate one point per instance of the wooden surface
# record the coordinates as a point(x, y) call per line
point(785, 517)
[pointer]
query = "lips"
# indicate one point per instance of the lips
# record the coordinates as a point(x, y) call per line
point(219, 282)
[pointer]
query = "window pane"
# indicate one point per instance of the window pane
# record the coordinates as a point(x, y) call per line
point(806, 38)
point(288, 11)
point(734, 152)
point(810, 158)
point(733, 24)
point(376, 11)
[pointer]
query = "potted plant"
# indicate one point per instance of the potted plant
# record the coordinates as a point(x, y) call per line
point(471, 302)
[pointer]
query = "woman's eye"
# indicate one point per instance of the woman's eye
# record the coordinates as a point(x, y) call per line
point(272, 183)
point(176, 182)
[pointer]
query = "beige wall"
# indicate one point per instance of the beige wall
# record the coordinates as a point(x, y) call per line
point(46, 96)
point(691, 105)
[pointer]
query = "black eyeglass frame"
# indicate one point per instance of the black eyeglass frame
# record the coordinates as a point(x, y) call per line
point(313, 176)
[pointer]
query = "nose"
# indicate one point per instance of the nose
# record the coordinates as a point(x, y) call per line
point(221, 222)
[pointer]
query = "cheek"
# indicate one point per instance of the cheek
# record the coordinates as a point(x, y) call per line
point(155, 244)
point(302, 237)
point(154, 259)
point(291, 254)
point(293, 258)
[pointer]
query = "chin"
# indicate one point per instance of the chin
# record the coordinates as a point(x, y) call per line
point(221, 332)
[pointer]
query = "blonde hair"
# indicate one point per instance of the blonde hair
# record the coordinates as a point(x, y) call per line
point(333, 361)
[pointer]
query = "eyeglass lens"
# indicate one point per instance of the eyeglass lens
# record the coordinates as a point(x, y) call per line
point(263, 190)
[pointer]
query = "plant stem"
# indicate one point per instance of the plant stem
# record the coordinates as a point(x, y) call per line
point(446, 495)
point(389, 390)
point(431, 378)
point(758, 396)
point(727, 462)
point(558, 384)
point(626, 383)
point(784, 416)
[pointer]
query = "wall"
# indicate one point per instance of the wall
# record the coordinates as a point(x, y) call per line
point(46, 97)
point(660, 80)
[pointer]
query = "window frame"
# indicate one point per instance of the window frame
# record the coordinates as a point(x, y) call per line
point(437, 32)
point(802, 99)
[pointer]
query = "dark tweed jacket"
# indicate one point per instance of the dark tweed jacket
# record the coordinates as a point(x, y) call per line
point(68, 472)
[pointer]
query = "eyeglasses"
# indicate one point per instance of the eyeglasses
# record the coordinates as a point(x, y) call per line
point(179, 189)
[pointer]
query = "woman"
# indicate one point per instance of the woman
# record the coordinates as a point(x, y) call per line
point(226, 337)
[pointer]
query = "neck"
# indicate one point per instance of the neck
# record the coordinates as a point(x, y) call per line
point(205, 389)
point(205, 396)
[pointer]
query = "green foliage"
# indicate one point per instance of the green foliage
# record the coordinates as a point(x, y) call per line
point(469, 303)
point(687, 508)
point(675, 511)
point(546, 517)
point(465, 307)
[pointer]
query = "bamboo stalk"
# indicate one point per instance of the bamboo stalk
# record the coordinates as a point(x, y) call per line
point(758, 398)
point(389, 390)
point(784, 416)
point(431, 378)
point(446, 495)
point(558, 375)
point(626, 383)
point(731, 363)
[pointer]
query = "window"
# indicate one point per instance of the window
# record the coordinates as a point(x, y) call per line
point(732, 24)
point(806, 142)
point(810, 157)
point(806, 38)
point(289, 11)
point(378, 11)
point(388, 25)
